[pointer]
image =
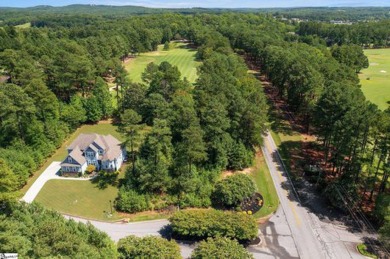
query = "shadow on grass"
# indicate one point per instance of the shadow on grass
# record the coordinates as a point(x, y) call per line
point(279, 122)
point(104, 179)
point(290, 152)
point(188, 47)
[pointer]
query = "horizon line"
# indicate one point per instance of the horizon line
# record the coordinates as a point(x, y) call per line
point(199, 7)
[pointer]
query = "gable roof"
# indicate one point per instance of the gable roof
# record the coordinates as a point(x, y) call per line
point(83, 141)
point(93, 147)
point(110, 144)
point(76, 155)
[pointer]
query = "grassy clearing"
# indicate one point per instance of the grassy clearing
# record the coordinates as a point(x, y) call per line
point(78, 198)
point(179, 55)
point(24, 25)
point(266, 187)
point(377, 88)
point(60, 154)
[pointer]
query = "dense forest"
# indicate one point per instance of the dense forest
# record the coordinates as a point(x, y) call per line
point(181, 136)
point(15, 16)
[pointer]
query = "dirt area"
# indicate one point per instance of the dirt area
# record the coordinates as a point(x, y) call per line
point(108, 121)
point(128, 59)
point(227, 173)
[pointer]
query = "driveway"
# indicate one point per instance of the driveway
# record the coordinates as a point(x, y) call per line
point(292, 232)
point(50, 173)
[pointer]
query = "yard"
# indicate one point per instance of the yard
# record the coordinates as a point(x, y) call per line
point(180, 55)
point(101, 128)
point(375, 79)
point(79, 198)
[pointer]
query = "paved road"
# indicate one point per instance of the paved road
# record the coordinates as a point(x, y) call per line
point(49, 173)
point(311, 237)
point(292, 232)
point(145, 228)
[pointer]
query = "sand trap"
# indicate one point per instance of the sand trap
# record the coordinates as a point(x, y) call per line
point(383, 71)
point(373, 64)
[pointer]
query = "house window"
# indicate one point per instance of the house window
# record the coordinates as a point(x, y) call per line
point(70, 160)
point(101, 151)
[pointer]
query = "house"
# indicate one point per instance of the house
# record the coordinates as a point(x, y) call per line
point(103, 151)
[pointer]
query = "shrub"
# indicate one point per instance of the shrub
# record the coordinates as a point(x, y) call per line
point(231, 191)
point(220, 248)
point(90, 169)
point(201, 223)
point(131, 201)
point(147, 247)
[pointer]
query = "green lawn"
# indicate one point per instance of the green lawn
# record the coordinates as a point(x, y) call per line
point(266, 187)
point(179, 55)
point(78, 198)
point(60, 154)
point(24, 26)
point(377, 88)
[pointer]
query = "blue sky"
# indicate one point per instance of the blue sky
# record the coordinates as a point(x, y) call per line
point(200, 3)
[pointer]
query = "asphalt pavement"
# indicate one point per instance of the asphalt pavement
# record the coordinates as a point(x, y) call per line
point(292, 232)
point(312, 238)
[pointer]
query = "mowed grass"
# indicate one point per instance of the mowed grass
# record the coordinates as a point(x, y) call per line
point(266, 187)
point(79, 198)
point(179, 55)
point(60, 154)
point(377, 88)
point(24, 25)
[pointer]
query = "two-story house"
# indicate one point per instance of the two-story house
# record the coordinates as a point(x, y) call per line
point(103, 151)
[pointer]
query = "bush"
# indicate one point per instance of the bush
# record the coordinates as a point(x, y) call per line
point(147, 247)
point(231, 191)
point(90, 169)
point(220, 248)
point(201, 224)
point(131, 201)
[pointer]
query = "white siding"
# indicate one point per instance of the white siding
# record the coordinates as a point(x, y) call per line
point(83, 168)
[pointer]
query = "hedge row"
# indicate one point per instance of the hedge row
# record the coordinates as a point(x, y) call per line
point(147, 247)
point(203, 223)
point(220, 247)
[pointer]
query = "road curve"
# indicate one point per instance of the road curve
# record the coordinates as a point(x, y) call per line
point(292, 232)
point(312, 238)
point(117, 231)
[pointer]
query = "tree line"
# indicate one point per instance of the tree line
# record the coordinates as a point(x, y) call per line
point(194, 131)
point(180, 135)
point(321, 87)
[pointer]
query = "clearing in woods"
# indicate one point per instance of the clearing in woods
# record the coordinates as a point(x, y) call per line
point(179, 54)
point(375, 80)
